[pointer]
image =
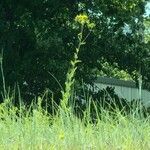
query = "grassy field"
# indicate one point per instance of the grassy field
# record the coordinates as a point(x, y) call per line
point(64, 131)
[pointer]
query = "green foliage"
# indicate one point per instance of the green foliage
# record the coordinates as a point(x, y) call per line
point(147, 30)
point(38, 39)
point(114, 71)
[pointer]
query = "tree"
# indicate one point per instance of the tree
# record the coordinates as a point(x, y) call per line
point(38, 38)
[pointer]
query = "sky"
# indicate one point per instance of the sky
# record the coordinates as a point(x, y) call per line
point(148, 9)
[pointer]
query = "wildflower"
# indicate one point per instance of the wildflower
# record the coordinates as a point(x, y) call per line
point(61, 135)
point(82, 19)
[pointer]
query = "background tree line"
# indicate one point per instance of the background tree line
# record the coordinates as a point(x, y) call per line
point(38, 38)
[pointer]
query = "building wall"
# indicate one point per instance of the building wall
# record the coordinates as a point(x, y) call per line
point(128, 93)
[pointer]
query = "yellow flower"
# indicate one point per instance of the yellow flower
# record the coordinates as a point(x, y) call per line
point(82, 19)
point(61, 135)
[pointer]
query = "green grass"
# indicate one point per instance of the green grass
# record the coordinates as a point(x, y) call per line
point(65, 131)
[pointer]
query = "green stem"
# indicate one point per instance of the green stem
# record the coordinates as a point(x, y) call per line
point(70, 75)
point(2, 72)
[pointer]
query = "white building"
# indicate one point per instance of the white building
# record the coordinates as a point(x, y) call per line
point(124, 89)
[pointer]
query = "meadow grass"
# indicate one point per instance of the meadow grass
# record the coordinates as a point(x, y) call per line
point(64, 131)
